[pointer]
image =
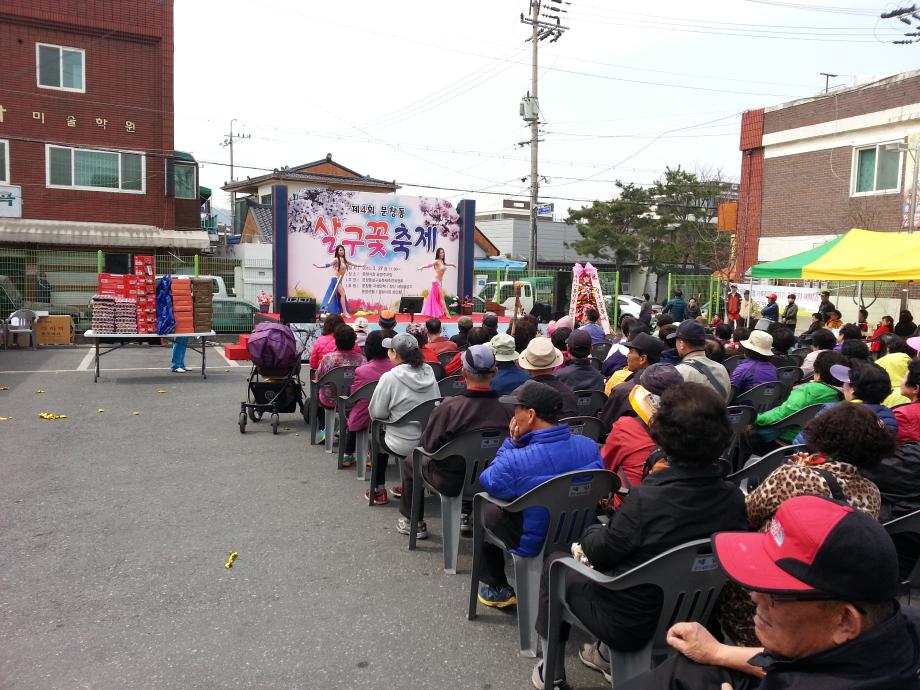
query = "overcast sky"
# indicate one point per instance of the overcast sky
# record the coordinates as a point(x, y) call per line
point(427, 92)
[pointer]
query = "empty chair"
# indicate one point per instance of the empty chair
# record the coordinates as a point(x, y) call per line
point(21, 321)
point(419, 414)
point(764, 397)
point(758, 469)
point(689, 578)
point(789, 376)
point(740, 417)
point(478, 448)
point(589, 403)
point(343, 407)
point(591, 427)
point(452, 385)
point(731, 362)
point(341, 377)
point(571, 501)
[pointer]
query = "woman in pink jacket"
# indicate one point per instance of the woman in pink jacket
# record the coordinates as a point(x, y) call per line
point(359, 419)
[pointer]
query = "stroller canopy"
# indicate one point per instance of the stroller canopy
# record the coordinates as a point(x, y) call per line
point(272, 346)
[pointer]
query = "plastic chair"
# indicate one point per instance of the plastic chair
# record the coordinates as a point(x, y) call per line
point(764, 397)
point(802, 352)
point(342, 378)
point(797, 419)
point(601, 350)
point(478, 448)
point(419, 414)
point(730, 363)
point(758, 469)
point(689, 578)
point(343, 406)
point(4, 333)
point(591, 427)
point(21, 321)
point(789, 376)
point(798, 358)
point(445, 358)
point(907, 524)
point(589, 403)
point(740, 417)
point(438, 371)
point(598, 364)
point(451, 385)
point(571, 500)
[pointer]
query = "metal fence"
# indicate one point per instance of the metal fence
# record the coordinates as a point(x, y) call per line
point(705, 289)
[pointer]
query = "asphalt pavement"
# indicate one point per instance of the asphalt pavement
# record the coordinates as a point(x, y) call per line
point(117, 522)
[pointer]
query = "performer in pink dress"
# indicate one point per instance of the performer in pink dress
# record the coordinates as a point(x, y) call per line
point(434, 306)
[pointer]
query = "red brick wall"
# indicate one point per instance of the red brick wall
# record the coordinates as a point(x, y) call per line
point(750, 194)
point(865, 100)
point(809, 194)
point(128, 77)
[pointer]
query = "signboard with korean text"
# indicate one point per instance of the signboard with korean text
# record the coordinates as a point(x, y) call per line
point(386, 239)
point(10, 201)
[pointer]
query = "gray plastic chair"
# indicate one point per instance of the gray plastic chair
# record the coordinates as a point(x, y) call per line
point(22, 321)
point(589, 403)
point(596, 362)
point(797, 419)
point(601, 350)
point(343, 406)
point(764, 397)
point(591, 427)
point(730, 363)
point(342, 378)
point(418, 415)
point(478, 448)
point(758, 469)
point(571, 500)
point(740, 417)
point(689, 578)
point(789, 376)
point(445, 358)
point(907, 524)
point(438, 370)
point(452, 385)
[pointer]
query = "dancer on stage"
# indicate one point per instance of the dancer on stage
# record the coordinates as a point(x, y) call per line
point(335, 301)
point(434, 306)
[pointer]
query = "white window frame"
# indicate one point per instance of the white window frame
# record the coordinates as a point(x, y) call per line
point(38, 75)
point(6, 171)
point(854, 169)
point(82, 188)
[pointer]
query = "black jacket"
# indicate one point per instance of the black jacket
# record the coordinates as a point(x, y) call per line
point(617, 404)
point(468, 411)
point(569, 404)
point(581, 375)
point(670, 507)
point(898, 480)
point(884, 658)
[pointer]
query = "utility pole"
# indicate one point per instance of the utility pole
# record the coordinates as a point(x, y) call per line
point(827, 80)
point(530, 107)
point(229, 142)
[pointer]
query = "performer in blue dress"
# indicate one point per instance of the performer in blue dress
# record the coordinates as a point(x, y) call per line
point(335, 300)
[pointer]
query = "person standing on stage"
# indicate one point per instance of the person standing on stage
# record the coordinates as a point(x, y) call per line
point(335, 300)
point(733, 307)
point(434, 306)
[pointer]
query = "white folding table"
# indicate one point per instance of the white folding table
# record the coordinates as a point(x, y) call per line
point(116, 341)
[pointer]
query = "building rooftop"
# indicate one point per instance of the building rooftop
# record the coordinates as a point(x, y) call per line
point(325, 172)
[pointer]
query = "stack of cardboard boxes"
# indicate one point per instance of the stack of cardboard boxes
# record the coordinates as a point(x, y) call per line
point(182, 305)
point(202, 307)
point(146, 293)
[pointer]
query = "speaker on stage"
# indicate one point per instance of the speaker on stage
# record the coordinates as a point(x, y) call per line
point(298, 310)
point(410, 305)
point(543, 312)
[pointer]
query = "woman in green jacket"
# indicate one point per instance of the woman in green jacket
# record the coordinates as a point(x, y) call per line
point(823, 388)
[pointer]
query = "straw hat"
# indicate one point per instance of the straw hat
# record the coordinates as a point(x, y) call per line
point(760, 342)
point(540, 354)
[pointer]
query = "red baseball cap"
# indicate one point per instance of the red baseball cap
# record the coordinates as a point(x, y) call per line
point(814, 547)
point(772, 295)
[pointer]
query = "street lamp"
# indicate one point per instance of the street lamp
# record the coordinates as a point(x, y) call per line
point(902, 147)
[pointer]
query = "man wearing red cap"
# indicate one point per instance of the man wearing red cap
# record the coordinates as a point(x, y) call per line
point(771, 309)
point(824, 578)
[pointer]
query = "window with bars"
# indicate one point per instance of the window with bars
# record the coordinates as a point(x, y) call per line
point(876, 169)
point(92, 170)
point(59, 67)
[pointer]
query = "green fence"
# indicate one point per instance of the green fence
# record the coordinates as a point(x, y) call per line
point(705, 289)
point(64, 282)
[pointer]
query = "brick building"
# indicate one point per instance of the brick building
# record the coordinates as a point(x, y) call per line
point(816, 167)
point(87, 158)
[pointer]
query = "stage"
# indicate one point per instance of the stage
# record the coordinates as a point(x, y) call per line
point(448, 323)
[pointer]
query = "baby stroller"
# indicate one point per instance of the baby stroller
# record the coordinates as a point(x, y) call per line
point(274, 382)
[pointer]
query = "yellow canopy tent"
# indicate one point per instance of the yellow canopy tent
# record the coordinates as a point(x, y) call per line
point(856, 255)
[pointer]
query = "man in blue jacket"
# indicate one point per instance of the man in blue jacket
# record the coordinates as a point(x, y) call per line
point(538, 450)
point(677, 307)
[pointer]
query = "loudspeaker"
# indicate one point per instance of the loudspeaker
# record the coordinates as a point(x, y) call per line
point(543, 312)
point(298, 310)
point(410, 305)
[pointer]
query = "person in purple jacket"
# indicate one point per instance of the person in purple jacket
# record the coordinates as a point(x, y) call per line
point(756, 367)
point(359, 418)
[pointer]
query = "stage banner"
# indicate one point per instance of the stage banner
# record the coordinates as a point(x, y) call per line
point(386, 238)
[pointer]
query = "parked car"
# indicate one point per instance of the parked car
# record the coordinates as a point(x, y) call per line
point(11, 299)
point(233, 316)
point(629, 306)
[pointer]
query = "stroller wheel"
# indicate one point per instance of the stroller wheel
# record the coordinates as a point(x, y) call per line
point(255, 415)
point(275, 421)
point(242, 422)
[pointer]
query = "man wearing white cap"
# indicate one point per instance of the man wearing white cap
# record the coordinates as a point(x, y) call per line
point(540, 359)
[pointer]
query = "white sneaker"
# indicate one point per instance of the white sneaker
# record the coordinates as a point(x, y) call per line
point(403, 526)
point(180, 370)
